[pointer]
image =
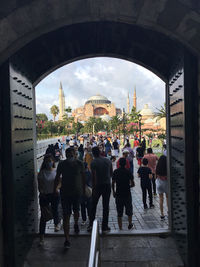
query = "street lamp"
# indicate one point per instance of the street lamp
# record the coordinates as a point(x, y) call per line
point(139, 120)
point(93, 128)
point(124, 124)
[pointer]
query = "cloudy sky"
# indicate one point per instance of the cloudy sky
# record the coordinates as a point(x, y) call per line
point(111, 77)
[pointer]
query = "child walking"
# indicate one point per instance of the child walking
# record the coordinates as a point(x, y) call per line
point(146, 175)
point(123, 179)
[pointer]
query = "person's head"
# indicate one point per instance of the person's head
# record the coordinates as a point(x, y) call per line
point(125, 153)
point(113, 158)
point(144, 161)
point(161, 168)
point(122, 162)
point(59, 140)
point(109, 152)
point(56, 146)
point(70, 153)
point(48, 162)
point(149, 150)
point(96, 151)
point(165, 146)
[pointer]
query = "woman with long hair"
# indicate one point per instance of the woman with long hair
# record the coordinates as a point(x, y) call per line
point(162, 183)
point(47, 197)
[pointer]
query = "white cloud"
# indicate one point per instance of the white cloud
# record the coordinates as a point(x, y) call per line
point(111, 77)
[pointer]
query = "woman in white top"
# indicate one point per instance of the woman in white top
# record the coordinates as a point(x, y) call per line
point(47, 197)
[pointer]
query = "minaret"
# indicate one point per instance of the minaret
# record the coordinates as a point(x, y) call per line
point(135, 99)
point(61, 103)
point(128, 104)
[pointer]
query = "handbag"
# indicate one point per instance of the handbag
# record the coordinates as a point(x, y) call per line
point(46, 213)
point(88, 191)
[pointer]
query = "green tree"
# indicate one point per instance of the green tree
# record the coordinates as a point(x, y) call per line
point(95, 124)
point(161, 112)
point(41, 117)
point(76, 127)
point(68, 109)
point(54, 111)
point(134, 115)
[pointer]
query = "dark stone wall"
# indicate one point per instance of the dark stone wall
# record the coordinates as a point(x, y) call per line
point(23, 21)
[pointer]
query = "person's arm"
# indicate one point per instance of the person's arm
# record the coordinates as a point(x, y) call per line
point(57, 179)
point(139, 173)
point(111, 170)
point(150, 174)
point(113, 184)
point(93, 171)
point(132, 183)
point(83, 179)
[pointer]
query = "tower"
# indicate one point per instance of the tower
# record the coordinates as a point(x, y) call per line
point(135, 99)
point(61, 103)
point(128, 104)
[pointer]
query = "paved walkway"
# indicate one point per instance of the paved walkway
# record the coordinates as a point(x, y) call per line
point(123, 251)
point(143, 220)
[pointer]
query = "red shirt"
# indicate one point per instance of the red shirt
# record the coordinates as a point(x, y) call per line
point(127, 166)
point(136, 143)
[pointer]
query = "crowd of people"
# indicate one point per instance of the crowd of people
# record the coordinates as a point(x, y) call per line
point(94, 167)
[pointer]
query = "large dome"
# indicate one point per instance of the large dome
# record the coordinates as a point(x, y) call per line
point(146, 111)
point(98, 99)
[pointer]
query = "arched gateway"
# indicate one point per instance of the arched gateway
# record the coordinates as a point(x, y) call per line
point(36, 37)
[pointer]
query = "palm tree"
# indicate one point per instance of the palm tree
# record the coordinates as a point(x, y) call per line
point(161, 112)
point(134, 115)
point(54, 111)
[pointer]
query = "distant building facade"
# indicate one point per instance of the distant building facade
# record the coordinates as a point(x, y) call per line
point(96, 106)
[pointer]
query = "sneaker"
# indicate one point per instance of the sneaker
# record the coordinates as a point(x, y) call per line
point(152, 206)
point(76, 228)
point(83, 223)
point(89, 228)
point(67, 244)
point(106, 229)
point(162, 217)
point(57, 228)
point(130, 226)
point(145, 206)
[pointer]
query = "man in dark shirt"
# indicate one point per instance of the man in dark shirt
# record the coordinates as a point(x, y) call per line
point(146, 175)
point(72, 188)
point(139, 154)
point(101, 186)
point(123, 179)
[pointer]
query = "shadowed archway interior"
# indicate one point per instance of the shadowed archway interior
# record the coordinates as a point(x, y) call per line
point(50, 51)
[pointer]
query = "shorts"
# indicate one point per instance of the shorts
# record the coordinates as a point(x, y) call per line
point(161, 186)
point(69, 204)
point(122, 202)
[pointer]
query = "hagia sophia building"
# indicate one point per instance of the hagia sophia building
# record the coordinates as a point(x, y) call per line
point(100, 106)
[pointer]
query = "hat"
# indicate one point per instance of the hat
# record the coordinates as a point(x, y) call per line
point(125, 151)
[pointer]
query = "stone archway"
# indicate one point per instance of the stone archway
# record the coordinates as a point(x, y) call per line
point(60, 35)
point(100, 111)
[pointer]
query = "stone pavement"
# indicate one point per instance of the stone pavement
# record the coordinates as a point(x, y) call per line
point(143, 220)
point(123, 251)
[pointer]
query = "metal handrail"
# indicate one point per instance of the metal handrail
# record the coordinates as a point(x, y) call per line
point(94, 256)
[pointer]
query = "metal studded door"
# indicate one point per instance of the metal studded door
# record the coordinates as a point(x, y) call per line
point(20, 201)
point(183, 122)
